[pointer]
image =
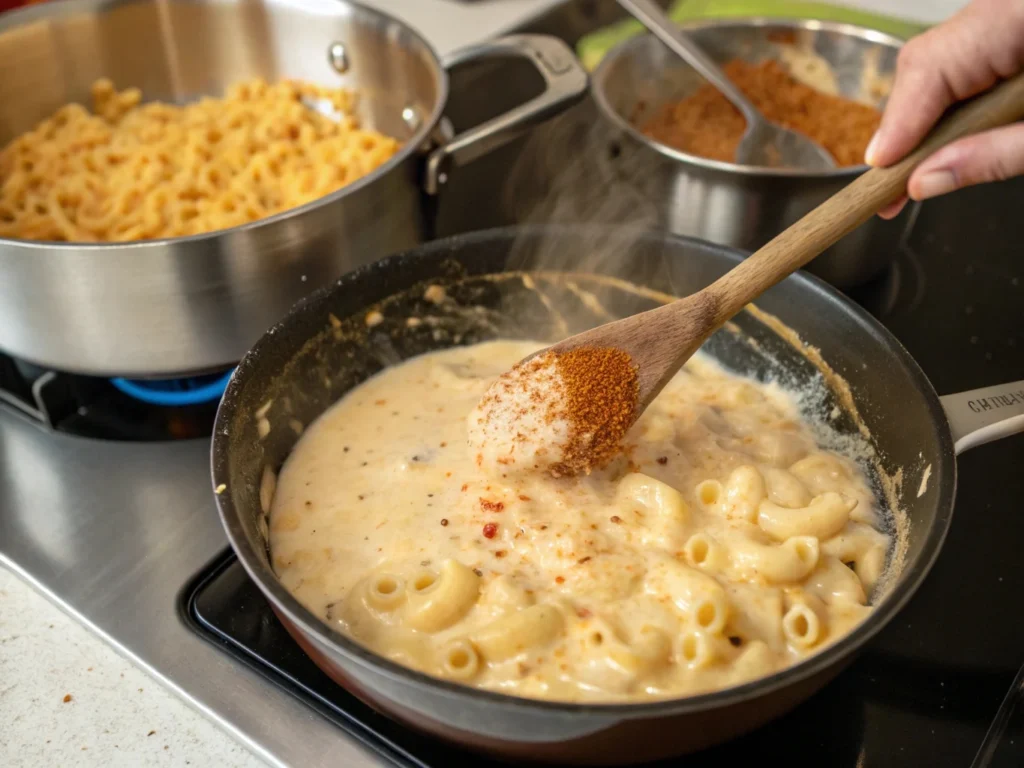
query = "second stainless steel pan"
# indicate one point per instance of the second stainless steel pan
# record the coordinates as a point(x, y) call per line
point(741, 205)
point(323, 349)
point(164, 307)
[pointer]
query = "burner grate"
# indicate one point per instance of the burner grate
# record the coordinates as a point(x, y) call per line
point(112, 409)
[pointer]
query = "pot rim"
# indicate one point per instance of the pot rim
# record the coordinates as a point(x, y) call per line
point(70, 8)
point(335, 642)
point(735, 169)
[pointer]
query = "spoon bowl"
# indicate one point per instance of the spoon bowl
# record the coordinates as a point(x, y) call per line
point(769, 145)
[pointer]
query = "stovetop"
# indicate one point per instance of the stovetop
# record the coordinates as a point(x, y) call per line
point(123, 533)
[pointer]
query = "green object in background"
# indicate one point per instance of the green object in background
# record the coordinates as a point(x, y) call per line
point(592, 48)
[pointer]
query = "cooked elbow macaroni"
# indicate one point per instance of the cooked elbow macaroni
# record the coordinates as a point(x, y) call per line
point(723, 546)
point(132, 171)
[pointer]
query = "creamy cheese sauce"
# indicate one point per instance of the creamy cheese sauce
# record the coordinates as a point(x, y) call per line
point(721, 546)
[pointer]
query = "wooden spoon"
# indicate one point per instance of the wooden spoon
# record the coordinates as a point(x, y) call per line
point(661, 340)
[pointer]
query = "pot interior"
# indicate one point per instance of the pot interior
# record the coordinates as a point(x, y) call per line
point(181, 51)
point(327, 346)
point(635, 79)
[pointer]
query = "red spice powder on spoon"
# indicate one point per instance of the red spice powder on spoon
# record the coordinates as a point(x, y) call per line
point(561, 412)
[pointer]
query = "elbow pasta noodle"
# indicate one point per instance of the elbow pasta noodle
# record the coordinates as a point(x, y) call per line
point(709, 494)
point(803, 623)
point(820, 472)
point(823, 518)
point(459, 660)
point(722, 547)
point(700, 598)
point(666, 512)
point(438, 600)
point(744, 490)
point(863, 547)
point(790, 561)
point(615, 663)
point(519, 632)
point(870, 567)
point(654, 495)
point(132, 171)
point(698, 650)
point(385, 592)
point(833, 581)
point(703, 552)
point(784, 489)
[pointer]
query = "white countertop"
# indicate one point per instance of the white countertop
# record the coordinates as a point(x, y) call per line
point(114, 714)
point(66, 698)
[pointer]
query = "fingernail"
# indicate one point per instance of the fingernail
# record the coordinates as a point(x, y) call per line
point(869, 153)
point(934, 183)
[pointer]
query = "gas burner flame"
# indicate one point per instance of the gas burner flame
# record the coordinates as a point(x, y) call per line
point(171, 393)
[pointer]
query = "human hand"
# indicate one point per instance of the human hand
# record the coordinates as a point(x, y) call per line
point(967, 54)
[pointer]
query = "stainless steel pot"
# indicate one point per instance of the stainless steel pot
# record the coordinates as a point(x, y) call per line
point(165, 307)
point(737, 205)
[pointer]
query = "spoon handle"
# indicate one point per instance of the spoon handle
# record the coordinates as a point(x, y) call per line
point(661, 26)
point(857, 202)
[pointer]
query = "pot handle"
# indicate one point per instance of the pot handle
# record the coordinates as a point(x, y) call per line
point(983, 415)
point(565, 83)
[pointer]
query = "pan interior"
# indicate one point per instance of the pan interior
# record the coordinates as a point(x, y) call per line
point(381, 315)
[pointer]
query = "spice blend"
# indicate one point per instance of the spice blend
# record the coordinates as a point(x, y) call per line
point(600, 400)
point(706, 124)
point(561, 412)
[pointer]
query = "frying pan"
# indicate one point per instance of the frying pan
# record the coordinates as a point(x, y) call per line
point(324, 348)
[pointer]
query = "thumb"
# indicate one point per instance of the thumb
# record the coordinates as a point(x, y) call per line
point(990, 156)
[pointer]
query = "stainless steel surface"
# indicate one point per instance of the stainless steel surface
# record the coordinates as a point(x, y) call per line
point(112, 532)
point(743, 206)
point(172, 306)
point(764, 143)
point(564, 82)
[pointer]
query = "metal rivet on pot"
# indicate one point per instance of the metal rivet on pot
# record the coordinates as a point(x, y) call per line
point(411, 118)
point(338, 58)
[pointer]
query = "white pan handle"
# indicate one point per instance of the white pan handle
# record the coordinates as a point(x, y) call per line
point(983, 415)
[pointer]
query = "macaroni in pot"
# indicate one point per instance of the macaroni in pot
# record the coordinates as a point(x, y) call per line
point(722, 546)
point(132, 171)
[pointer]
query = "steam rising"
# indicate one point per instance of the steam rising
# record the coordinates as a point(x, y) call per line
point(575, 172)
